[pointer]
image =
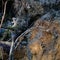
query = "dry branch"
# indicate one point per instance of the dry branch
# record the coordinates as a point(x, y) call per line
point(3, 14)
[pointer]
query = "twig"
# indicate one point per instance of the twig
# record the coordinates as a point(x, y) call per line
point(5, 42)
point(11, 51)
point(12, 47)
point(20, 38)
point(3, 14)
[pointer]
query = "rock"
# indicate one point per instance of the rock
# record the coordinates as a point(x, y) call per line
point(46, 43)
